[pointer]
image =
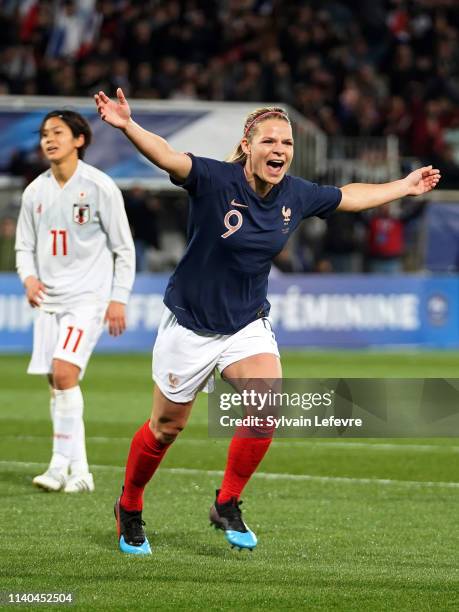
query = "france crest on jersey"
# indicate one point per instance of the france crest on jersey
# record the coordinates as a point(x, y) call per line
point(220, 285)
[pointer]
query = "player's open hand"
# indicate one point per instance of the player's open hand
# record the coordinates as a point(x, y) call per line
point(116, 318)
point(115, 113)
point(422, 180)
point(35, 291)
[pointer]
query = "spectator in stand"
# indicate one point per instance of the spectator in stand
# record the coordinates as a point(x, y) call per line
point(138, 44)
point(403, 71)
point(27, 164)
point(65, 79)
point(143, 82)
point(119, 76)
point(93, 74)
point(76, 26)
point(18, 67)
point(7, 240)
point(142, 211)
point(450, 168)
point(386, 237)
point(398, 122)
point(167, 79)
point(343, 243)
point(428, 130)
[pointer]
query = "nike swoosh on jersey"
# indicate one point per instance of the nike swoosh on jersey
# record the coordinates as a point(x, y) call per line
point(234, 203)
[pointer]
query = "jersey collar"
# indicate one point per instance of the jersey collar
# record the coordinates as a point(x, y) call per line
point(71, 179)
point(272, 195)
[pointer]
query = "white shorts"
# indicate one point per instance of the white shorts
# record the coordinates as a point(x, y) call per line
point(70, 335)
point(184, 361)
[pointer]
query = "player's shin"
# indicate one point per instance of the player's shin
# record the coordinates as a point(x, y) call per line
point(145, 455)
point(52, 404)
point(68, 412)
point(78, 459)
point(246, 451)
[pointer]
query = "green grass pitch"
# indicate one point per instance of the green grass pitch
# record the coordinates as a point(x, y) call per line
point(342, 524)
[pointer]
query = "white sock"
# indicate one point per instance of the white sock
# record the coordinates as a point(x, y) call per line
point(68, 413)
point(79, 460)
point(57, 461)
point(52, 403)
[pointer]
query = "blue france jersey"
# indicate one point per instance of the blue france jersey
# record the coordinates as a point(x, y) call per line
point(220, 285)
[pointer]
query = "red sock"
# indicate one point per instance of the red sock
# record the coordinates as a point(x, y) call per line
point(145, 455)
point(244, 456)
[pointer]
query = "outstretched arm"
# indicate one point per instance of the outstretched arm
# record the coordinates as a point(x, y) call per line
point(360, 196)
point(155, 148)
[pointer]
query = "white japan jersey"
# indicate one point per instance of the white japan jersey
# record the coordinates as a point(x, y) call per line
point(76, 239)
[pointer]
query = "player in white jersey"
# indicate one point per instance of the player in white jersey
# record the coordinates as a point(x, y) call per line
point(76, 259)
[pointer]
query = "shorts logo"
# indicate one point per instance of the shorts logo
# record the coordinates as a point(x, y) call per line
point(81, 213)
point(173, 380)
point(287, 214)
point(39, 209)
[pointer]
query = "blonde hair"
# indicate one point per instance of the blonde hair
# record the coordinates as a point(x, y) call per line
point(250, 125)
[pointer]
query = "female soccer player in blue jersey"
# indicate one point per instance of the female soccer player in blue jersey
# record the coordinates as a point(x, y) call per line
point(242, 213)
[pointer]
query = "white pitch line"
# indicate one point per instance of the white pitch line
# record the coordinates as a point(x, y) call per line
point(261, 475)
point(384, 446)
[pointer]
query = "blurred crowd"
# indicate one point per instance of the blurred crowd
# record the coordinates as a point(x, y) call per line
point(353, 67)
point(356, 68)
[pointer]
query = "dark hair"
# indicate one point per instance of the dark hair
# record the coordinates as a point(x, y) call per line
point(76, 123)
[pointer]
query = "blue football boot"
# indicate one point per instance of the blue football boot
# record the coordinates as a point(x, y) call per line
point(228, 517)
point(131, 534)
